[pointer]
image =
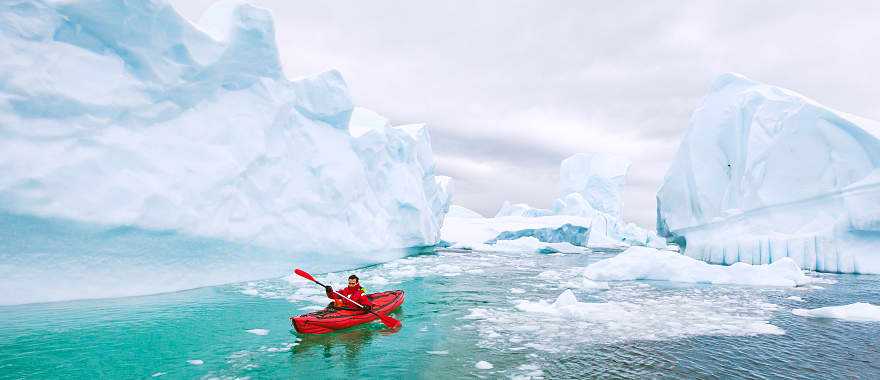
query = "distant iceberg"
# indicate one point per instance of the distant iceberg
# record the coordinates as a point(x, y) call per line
point(597, 178)
point(184, 157)
point(764, 173)
point(585, 216)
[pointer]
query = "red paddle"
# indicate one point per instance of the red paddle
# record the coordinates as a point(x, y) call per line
point(388, 321)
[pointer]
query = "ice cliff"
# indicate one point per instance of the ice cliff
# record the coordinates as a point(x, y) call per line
point(182, 154)
point(764, 173)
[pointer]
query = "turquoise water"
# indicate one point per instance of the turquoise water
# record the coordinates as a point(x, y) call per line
point(461, 308)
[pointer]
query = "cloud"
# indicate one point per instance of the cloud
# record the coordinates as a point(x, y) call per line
point(510, 88)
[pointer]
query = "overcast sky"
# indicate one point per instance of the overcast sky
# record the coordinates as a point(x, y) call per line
point(509, 89)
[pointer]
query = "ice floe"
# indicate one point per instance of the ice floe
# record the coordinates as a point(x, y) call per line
point(860, 311)
point(482, 364)
point(642, 263)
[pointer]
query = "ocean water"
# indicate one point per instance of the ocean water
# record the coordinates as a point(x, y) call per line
point(461, 308)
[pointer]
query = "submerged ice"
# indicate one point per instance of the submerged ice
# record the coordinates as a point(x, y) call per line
point(764, 173)
point(125, 118)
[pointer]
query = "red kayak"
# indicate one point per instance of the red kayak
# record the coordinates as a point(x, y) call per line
point(329, 320)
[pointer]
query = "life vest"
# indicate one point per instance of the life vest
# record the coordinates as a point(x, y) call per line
point(339, 302)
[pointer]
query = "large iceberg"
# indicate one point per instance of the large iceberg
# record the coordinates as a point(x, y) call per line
point(764, 173)
point(140, 153)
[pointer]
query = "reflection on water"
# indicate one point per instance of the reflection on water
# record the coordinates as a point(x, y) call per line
point(350, 341)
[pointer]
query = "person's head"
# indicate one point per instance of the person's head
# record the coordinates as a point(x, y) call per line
point(353, 281)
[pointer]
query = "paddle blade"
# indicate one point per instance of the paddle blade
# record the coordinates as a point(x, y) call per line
point(389, 322)
point(304, 274)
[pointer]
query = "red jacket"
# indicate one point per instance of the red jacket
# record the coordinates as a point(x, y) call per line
point(356, 294)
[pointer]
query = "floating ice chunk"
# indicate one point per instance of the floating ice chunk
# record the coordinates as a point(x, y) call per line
point(517, 291)
point(284, 347)
point(157, 374)
point(586, 284)
point(195, 361)
point(261, 332)
point(567, 306)
point(860, 312)
point(444, 352)
point(795, 298)
point(642, 263)
point(477, 313)
point(549, 275)
point(484, 365)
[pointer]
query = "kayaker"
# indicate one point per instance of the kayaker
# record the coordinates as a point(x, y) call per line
point(354, 291)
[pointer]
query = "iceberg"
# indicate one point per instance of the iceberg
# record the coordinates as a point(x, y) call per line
point(587, 214)
point(136, 145)
point(643, 263)
point(764, 173)
point(598, 178)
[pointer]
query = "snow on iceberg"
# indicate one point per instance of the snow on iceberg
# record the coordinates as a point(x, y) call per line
point(135, 145)
point(521, 209)
point(457, 211)
point(860, 311)
point(764, 173)
point(643, 263)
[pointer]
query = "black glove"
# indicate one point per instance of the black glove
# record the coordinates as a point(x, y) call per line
point(328, 288)
point(367, 308)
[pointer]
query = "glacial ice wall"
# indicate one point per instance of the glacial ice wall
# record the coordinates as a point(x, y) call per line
point(125, 115)
point(764, 173)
